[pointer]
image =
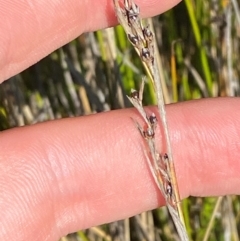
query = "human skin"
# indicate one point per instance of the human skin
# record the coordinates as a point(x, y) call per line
point(61, 176)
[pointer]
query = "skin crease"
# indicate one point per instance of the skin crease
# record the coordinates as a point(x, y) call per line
point(61, 176)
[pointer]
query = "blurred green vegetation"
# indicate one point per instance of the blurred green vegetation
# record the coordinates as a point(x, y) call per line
point(199, 50)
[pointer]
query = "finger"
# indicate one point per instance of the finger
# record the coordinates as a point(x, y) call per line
point(79, 172)
point(32, 29)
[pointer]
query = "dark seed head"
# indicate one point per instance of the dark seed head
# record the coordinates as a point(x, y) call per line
point(135, 94)
point(133, 38)
point(132, 15)
point(149, 133)
point(165, 156)
point(168, 188)
point(146, 55)
point(148, 34)
point(153, 119)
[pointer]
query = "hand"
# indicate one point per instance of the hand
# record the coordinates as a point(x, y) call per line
point(61, 176)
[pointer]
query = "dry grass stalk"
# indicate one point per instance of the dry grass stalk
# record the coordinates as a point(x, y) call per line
point(211, 221)
point(161, 165)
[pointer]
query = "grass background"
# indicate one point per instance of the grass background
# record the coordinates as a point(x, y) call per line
point(199, 46)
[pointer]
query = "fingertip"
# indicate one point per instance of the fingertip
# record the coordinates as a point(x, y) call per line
point(35, 29)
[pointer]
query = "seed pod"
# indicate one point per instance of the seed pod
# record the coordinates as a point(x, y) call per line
point(165, 156)
point(148, 35)
point(132, 14)
point(153, 119)
point(134, 94)
point(168, 188)
point(133, 39)
point(146, 55)
point(149, 133)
